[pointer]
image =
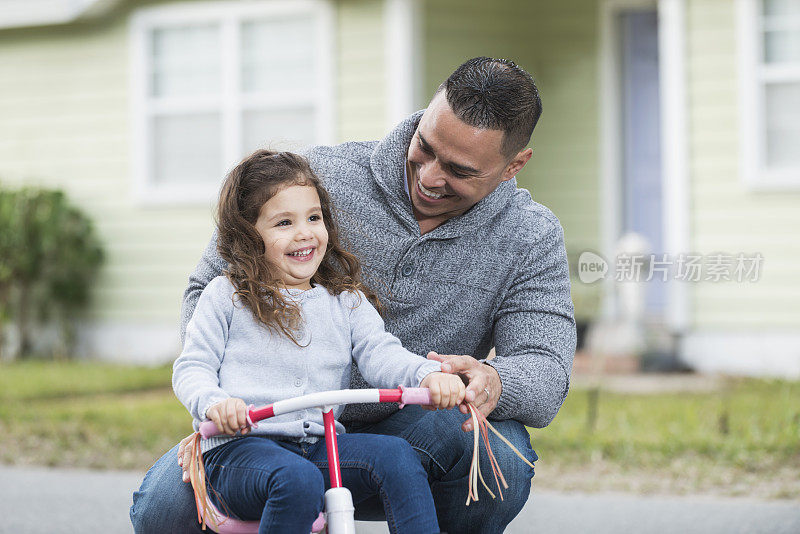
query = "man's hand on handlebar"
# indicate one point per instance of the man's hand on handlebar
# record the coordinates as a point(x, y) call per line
point(483, 383)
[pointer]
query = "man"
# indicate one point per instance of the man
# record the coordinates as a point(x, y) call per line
point(463, 261)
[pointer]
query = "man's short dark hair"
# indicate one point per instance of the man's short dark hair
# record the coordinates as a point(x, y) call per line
point(495, 94)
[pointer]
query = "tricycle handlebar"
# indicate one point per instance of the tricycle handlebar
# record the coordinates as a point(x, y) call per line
point(326, 399)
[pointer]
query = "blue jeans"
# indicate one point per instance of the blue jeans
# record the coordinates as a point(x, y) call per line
point(281, 484)
point(165, 504)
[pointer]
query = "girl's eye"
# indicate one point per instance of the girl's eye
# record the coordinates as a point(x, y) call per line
point(284, 222)
point(315, 218)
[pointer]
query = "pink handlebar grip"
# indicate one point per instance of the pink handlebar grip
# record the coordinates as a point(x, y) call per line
point(415, 396)
point(208, 429)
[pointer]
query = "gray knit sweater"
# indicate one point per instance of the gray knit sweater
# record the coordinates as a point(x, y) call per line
point(495, 276)
point(227, 353)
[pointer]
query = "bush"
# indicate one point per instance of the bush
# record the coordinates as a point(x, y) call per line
point(49, 254)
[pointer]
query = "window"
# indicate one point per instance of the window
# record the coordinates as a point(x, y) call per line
point(770, 106)
point(212, 82)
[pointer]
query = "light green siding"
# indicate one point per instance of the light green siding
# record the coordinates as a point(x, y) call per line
point(65, 122)
point(557, 43)
point(725, 215)
point(361, 83)
point(64, 114)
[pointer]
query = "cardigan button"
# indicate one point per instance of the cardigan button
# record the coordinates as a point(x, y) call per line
point(408, 270)
point(298, 382)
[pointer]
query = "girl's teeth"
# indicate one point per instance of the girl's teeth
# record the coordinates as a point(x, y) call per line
point(301, 252)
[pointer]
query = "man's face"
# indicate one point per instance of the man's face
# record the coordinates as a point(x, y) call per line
point(452, 165)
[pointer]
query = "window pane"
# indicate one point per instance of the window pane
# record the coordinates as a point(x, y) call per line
point(286, 129)
point(186, 149)
point(782, 46)
point(278, 55)
point(782, 124)
point(186, 61)
point(781, 7)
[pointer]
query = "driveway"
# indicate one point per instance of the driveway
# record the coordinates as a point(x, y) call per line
point(40, 500)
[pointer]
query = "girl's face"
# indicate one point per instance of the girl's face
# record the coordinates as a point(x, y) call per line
point(294, 234)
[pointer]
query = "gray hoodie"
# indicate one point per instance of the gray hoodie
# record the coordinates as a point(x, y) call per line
point(495, 276)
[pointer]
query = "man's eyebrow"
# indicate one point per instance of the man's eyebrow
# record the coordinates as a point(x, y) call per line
point(462, 169)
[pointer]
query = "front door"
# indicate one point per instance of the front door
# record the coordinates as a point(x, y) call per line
point(641, 147)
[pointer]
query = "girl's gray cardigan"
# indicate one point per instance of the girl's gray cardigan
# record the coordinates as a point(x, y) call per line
point(496, 276)
point(228, 353)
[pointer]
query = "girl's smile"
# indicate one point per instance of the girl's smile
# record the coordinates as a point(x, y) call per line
point(303, 255)
point(294, 234)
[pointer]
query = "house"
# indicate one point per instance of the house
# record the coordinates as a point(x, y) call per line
point(675, 119)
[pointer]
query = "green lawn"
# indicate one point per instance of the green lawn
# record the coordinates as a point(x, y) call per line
point(747, 423)
point(742, 439)
point(87, 414)
point(42, 379)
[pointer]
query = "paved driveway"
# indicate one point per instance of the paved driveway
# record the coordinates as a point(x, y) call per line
point(40, 500)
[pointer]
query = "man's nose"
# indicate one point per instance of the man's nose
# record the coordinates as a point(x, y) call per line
point(431, 175)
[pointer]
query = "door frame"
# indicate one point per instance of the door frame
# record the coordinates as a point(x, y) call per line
point(674, 142)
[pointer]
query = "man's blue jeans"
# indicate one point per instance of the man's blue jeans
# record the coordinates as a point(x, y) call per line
point(281, 484)
point(165, 504)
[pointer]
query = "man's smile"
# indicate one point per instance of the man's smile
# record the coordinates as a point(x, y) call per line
point(428, 193)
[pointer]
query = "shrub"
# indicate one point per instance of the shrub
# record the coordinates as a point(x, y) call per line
point(49, 255)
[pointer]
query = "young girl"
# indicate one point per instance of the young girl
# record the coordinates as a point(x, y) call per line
point(287, 319)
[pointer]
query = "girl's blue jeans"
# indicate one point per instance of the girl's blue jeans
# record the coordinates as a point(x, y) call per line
point(281, 484)
point(164, 503)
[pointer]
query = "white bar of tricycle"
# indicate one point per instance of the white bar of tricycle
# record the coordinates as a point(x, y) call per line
point(325, 398)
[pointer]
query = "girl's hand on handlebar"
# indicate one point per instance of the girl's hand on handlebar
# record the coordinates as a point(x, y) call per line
point(230, 416)
point(446, 390)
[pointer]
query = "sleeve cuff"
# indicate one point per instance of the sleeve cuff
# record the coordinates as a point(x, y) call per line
point(509, 401)
point(426, 369)
point(211, 401)
point(534, 397)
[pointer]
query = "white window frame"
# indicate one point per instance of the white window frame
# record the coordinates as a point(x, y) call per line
point(753, 75)
point(403, 51)
point(231, 101)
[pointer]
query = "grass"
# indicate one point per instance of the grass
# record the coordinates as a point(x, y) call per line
point(36, 380)
point(742, 439)
point(87, 414)
point(745, 423)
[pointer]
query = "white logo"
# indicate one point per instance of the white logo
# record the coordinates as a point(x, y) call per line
point(591, 267)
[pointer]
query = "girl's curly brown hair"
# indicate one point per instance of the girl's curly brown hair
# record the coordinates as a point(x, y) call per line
point(247, 188)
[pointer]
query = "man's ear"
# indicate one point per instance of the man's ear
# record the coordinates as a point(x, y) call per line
point(517, 163)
